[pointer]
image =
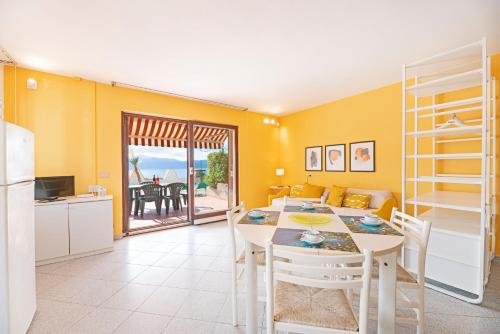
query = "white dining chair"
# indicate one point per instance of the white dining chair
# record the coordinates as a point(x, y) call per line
point(306, 292)
point(238, 258)
point(416, 233)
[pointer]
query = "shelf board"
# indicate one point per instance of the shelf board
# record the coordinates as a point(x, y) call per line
point(442, 179)
point(444, 141)
point(449, 200)
point(458, 131)
point(448, 83)
point(450, 156)
point(459, 175)
point(462, 223)
point(446, 105)
point(451, 112)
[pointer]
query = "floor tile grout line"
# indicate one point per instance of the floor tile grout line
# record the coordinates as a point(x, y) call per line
point(463, 315)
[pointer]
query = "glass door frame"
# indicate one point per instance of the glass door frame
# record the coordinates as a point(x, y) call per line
point(125, 165)
point(191, 215)
point(232, 165)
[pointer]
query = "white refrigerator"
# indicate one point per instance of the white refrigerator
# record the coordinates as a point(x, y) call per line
point(17, 229)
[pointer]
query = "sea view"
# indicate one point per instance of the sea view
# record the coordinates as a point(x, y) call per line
point(149, 173)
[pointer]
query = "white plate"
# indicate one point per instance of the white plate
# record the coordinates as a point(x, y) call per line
point(256, 214)
point(377, 223)
point(320, 240)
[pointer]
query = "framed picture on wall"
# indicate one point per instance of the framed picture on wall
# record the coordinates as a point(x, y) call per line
point(314, 155)
point(335, 158)
point(362, 155)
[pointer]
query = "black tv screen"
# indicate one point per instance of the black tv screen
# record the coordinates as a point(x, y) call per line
point(54, 186)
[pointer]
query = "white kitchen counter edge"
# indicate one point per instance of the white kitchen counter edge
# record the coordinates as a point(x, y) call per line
point(75, 199)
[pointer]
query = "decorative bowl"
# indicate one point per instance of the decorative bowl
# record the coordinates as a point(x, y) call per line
point(256, 214)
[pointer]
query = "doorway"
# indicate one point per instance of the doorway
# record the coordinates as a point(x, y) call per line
point(176, 172)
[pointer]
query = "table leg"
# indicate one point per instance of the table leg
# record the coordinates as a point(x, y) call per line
point(387, 294)
point(251, 287)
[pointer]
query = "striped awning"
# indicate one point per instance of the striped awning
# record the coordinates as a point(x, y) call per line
point(143, 131)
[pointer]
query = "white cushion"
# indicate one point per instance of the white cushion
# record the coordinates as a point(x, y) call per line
point(293, 201)
point(378, 196)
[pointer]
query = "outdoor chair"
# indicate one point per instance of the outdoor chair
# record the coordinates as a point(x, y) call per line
point(185, 195)
point(173, 193)
point(201, 185)
point(149, 192)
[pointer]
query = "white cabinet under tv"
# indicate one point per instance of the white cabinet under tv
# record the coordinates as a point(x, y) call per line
point(71, 228)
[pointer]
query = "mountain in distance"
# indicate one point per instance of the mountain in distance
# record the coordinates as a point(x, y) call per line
point(167, 163)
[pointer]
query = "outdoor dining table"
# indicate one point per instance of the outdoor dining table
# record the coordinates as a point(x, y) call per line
point(281, 226)
point(135, 188)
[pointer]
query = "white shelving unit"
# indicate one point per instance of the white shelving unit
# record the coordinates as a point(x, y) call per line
point(462, 241)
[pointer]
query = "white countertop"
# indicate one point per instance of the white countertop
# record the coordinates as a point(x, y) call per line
point(75, 199)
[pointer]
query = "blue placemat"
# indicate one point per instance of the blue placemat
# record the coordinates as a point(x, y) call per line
point(271, 218)
point(338, 241)
point(316, 209)
point(354, 224)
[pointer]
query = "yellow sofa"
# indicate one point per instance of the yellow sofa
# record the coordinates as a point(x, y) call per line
point(381, 203)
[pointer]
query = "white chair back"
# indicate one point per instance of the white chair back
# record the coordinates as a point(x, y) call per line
point(231, 214)
point(341, 272)
point(417, 231)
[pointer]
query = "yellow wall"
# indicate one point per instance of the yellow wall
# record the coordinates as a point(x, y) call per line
point(373, 115)
point(77, 127)
point(61, 114)
point(77, 124)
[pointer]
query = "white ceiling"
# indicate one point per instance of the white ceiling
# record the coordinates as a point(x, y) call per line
point(275, 56)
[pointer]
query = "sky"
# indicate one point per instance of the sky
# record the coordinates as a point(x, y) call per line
point(168, 152)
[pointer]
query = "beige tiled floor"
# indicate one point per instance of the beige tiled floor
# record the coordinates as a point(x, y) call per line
point(177, 281)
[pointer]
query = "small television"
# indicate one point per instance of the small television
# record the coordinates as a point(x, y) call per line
point(52, 187)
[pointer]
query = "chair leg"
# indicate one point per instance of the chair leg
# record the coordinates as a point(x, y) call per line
point(167, 204)
point(136, 207)
point(142, 205)
point(420, 314)
point(234, 294)
point(130, 202)
point(158, 206)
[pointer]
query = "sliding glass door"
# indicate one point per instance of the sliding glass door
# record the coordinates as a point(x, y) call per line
point(212, 170)
point(176, 172)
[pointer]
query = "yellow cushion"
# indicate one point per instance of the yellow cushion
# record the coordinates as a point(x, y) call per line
point(336, 196)
point(356, 201)
point(312, 191)
point(296, 191)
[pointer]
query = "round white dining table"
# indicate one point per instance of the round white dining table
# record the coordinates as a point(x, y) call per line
point(385, 248)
